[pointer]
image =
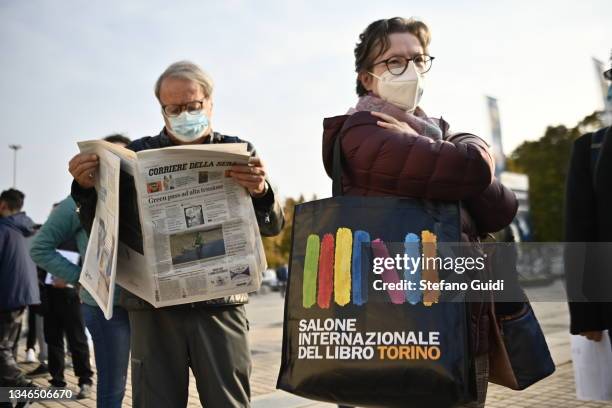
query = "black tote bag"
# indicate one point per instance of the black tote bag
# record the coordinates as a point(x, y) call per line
point(346, 341)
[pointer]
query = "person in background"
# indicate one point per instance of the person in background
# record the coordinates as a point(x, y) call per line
point(111, 338)
point(210, 337)
point(36, 333)
point(18, 283)
point(282, 275)
point(391, 147)
point(42, 370)
point(63, 317)
point(588, 219)
point(35, 329)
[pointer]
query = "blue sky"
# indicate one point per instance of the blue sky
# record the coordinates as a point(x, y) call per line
point(74, 70)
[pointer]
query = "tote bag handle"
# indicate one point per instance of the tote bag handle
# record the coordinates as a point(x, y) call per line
point(337, 169)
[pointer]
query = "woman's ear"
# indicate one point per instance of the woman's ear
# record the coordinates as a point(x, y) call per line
point(366, 80)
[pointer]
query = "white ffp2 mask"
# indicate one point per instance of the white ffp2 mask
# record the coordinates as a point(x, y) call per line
point(403, 91)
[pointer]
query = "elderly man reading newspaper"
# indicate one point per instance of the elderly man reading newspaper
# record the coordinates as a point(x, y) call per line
point(208, 336)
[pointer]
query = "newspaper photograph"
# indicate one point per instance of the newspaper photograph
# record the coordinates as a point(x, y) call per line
point(99, 266)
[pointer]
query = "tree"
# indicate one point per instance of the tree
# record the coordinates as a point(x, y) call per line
point(545, 162)
point(278, 248)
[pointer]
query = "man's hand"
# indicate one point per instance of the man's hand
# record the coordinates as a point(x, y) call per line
point(389, 122)
point(593, 335)
point(252, 176)
point(83, 168)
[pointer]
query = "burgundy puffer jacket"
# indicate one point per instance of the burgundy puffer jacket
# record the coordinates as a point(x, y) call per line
point(380, 162)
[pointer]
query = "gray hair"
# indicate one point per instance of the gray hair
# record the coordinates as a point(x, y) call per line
point(186, 70)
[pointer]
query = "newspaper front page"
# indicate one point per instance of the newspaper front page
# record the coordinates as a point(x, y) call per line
point(199, 225)
point(99, 266)
point(187, 232)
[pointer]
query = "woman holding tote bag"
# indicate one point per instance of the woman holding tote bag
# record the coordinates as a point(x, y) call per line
point(391, 148)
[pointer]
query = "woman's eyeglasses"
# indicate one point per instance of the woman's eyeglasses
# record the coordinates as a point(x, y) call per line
point(398, 65)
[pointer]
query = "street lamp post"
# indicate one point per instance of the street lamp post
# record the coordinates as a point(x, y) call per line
point(15, 147)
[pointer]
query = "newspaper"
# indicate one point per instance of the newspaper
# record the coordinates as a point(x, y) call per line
point(98, 273)
point(186, 232)
point(592, 367)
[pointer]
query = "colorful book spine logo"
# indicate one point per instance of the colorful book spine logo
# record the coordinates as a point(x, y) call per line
point(333, 267)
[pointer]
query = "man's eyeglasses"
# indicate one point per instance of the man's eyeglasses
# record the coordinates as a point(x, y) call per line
point(398, 65)
point(175, 110)
point(608, 75)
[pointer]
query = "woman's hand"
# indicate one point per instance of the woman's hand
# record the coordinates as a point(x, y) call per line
point(83, 168)
point(252, 176)
point(389, 122)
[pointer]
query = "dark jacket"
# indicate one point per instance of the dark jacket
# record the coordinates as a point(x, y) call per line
point(18, 277)
point(268, 210)
point(588, 219)
point(379, 162)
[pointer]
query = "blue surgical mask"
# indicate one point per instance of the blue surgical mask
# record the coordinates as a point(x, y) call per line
point(188, 127)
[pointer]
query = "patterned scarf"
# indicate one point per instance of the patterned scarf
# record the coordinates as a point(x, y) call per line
point(417, 120)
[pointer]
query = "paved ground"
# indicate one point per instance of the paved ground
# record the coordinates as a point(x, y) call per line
point(265, 315)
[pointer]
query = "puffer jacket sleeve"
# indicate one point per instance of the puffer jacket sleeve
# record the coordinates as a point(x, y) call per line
point(387, 162)
point(493, 209)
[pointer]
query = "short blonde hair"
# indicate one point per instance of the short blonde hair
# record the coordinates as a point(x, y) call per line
point(186, 70)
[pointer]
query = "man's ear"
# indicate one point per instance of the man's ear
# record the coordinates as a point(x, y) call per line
point(209, 106)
